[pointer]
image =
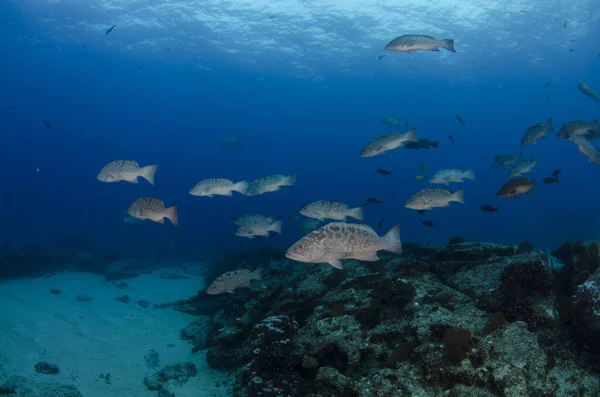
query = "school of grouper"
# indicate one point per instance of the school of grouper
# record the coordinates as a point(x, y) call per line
point(340, 240)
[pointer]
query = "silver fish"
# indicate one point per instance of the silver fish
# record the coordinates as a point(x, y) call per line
point(153, 209)
point(259, 228)
point(324, 209)
point(587, 149)
point(230, 281)
point(428, 199)
point(588, 91)
point(580, 128)
point(536, 132)
point(523, 168)
point(339, 240)
point(218, 186)
point(387, 142)
point(507, 160)
point(415, 42)
point(270, 183)
point(126, 170)
point(445, 177)
point(249, 219)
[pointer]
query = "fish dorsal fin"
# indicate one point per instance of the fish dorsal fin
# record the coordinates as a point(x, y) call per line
point(428, 37)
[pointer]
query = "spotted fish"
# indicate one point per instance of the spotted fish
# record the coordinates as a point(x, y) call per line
point(230, 281)
point(339, 240)
point(324, 209)
point(419, 42)
point(218, 186)
point(387, 142)
point(126, 170)
point(153, 209)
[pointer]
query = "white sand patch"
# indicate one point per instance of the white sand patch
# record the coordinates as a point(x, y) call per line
point(86, 339)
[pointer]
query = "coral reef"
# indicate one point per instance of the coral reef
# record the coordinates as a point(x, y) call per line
point(466, 319)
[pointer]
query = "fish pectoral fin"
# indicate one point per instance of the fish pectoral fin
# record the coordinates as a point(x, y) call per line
point(336, 263)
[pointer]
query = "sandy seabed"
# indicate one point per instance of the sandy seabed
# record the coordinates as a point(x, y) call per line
point(86, 339)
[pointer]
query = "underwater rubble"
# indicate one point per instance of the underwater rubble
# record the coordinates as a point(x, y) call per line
point(465, 319)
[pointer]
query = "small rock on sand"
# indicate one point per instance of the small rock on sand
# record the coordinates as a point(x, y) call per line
point(55, 291)
point(124, 298)
point(46, 369)
point(143, 303)
point(83, 298)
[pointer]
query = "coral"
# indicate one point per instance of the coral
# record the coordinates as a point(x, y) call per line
point(83, 298)
point(466, 319)
point(586, 314)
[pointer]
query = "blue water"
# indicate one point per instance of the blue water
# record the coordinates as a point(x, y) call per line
point(173, 113)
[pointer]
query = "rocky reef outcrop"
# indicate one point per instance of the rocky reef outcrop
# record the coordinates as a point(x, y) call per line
point(466, 319)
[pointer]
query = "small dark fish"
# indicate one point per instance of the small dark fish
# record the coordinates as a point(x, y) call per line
point(565, 24)
point(451, 138)
point(110, 29)
point(423, 167)
point(272, 16)
point(571, 49)
point(556, 173)
point(547, 97)
point(421, 212)
point(383, 172)
point(380, 224)
point(547, 85)
point(489, 208)
point(460, 120)
point(422, 144)
point(372, 200)
point(47, 123)
point(550, 180)
point(13, 107)
point(141, 67)
point(380, 57)
point(427, 223)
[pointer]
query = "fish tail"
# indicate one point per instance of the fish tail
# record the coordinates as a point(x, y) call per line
point(411, 136)
point(435, 144)
point(550, 126)
point(255, 275)
point(449, 45)
point(497, 209)
point(275, 227)
point(391, 240)
point(290, 180)
point(241, 187)
point(594, 124)
point(240, 142)
point(357, 213)
point(532, 182)
point(459, 196)
point(470, 174)
point(148, 173)
point(172, 215)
